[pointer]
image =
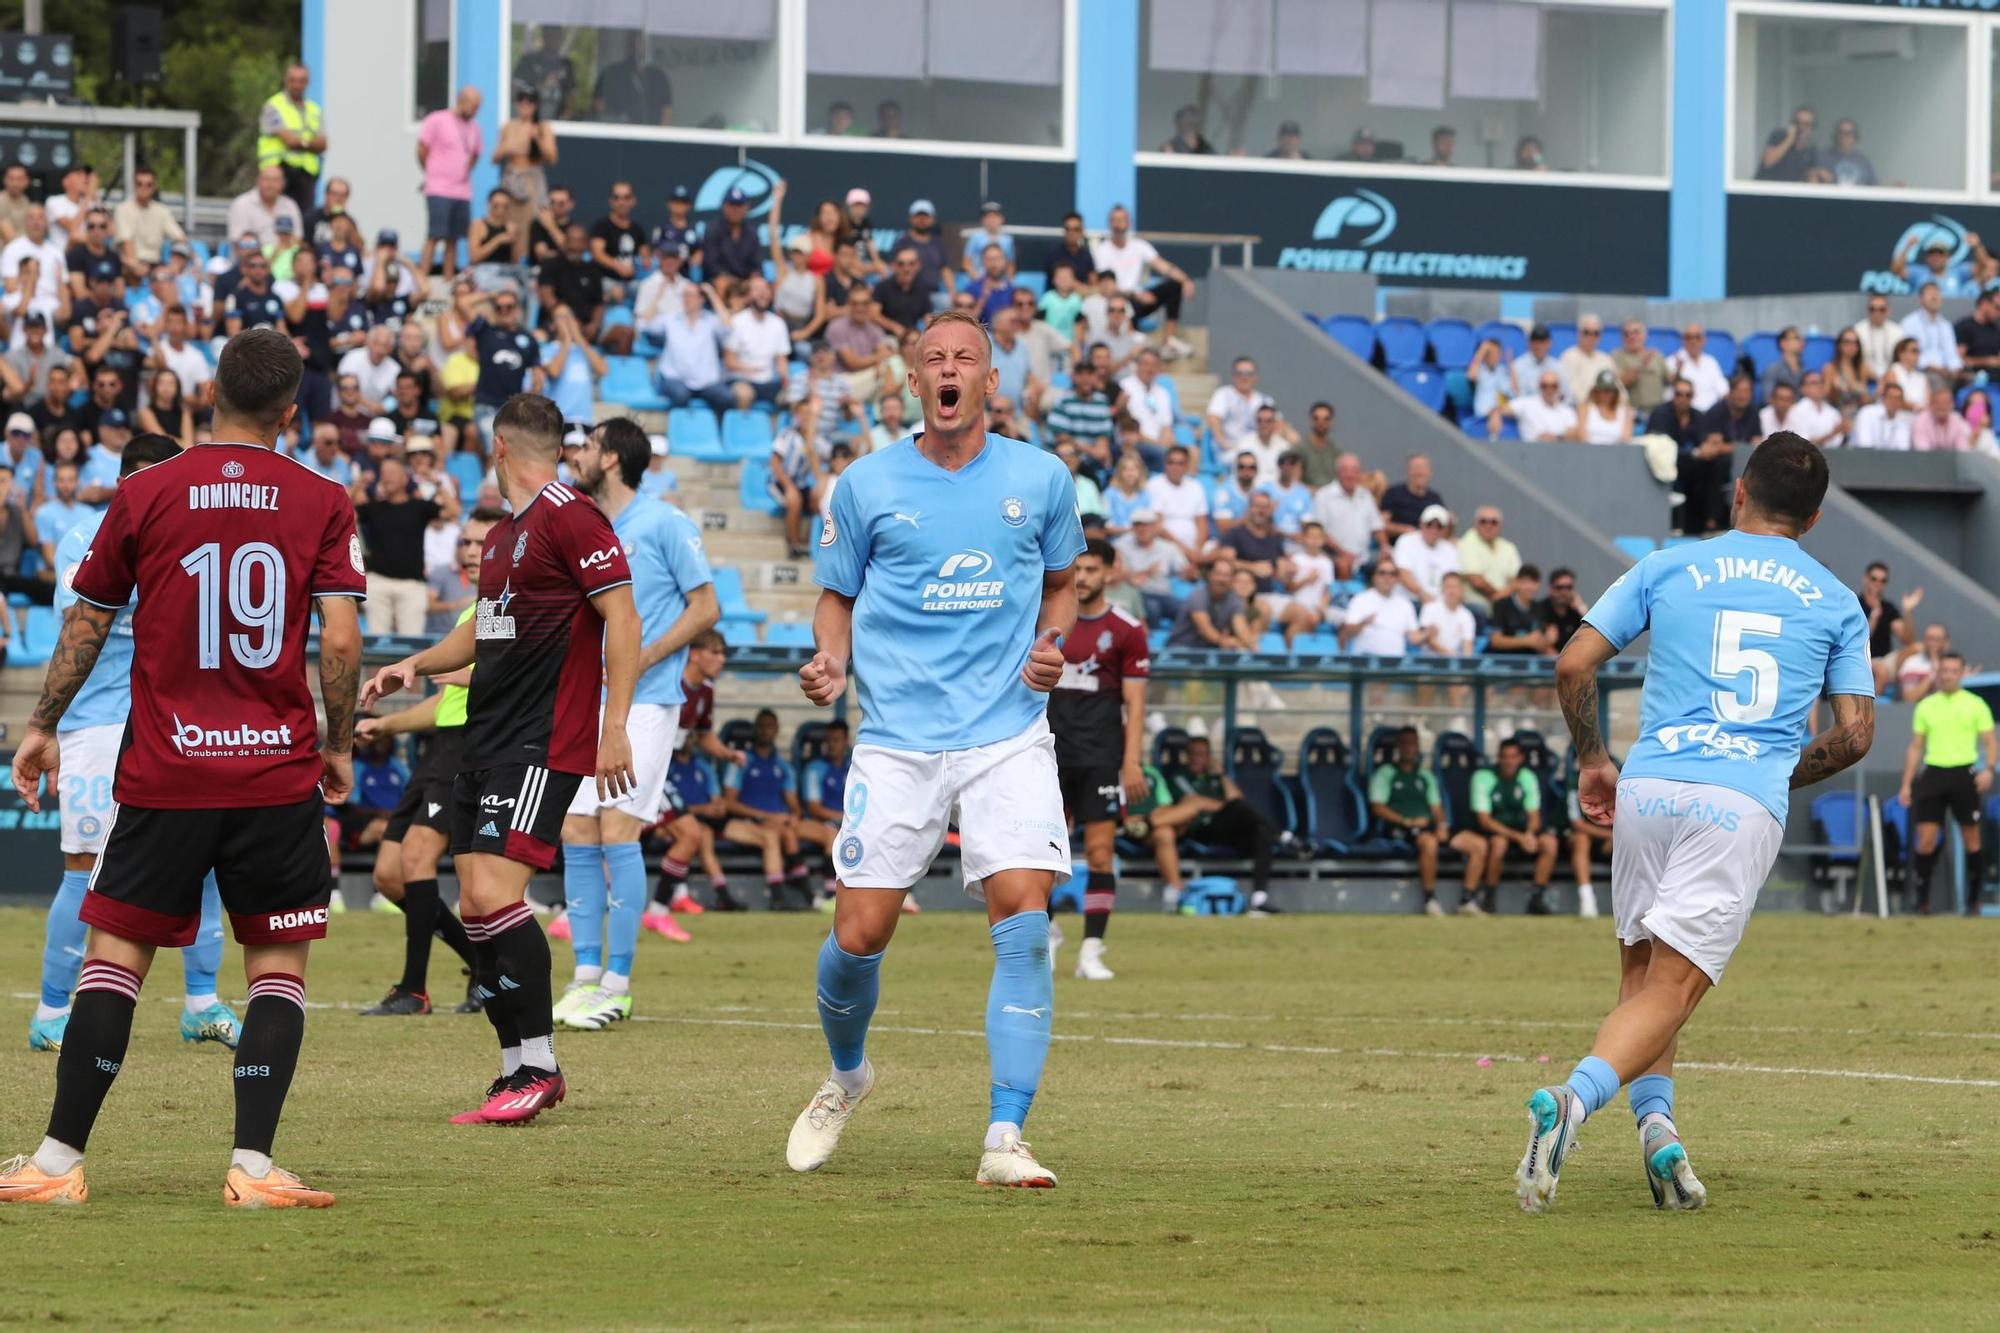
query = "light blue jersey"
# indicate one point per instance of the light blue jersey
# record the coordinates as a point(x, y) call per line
point(100, 468)
point(664, 549)
point(106, 695)
point(1748, 630)
point(946, 571)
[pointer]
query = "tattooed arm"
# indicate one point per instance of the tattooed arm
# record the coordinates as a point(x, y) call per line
point(339, 684)
point(1840, 745)
point(1576, 690)
point(84, 630)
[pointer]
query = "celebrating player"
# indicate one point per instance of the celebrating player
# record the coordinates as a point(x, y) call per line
point(533, 731)
point(231, 548)
point(945, 571)
point(406, 861)
point(90, 734)
point(1748, 630)
point(675, 596)
point(1105, 665)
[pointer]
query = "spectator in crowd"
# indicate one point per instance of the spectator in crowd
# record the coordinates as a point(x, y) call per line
point(1360, 147)
point(381, 441)
point(1884, 424)
point(1562, 609)
point(1642, 371)
point(1232, 408)
point(1908, 375)
point(1879, 336)
point(1677, 418)
point(1528, 154)
point(1583, 363)
point(1506, 803)
point(93, 258)
point(1290, 145)
point(291, 135)
point(1270, 439)
point(1346, 510)
point(1405, 802)
point(1149, 400)
point(571, 367)
point(1846, 165)
point(1706, 468)
point(1008, 351)
point(391, 286)
point(1846, 376)
point(68, 207)
point(1404, 503)
point(1292, 498)
point(14, 201)
point(1089, 499)
point(1978, 335)
point(1444, 141)
point(905, 295)
point(415, 420)
point(31, 358)
point(1120, 338)
point(393, 520)
point(573, 280)
point(690, 365)
point(1425, 556)
point(618, 242)
point(1305, 585)
point(757, 347)
point(794, 473)
point(1208, 617)
point(510, 360)
point(1707, 383)
point(921, 235)
point(987, 235)
point(1126, 493)
point(798, 296)
point(1084, 413)
point(1545, 417)
point(861, 348)
point(1789, 368)
point(1072, 252)
point(349, 414)
point(1888, 624)
point(1152, 562)
point(57, 516)
point(372, 366)
point(1319, 456)
point(1916, 663)
point(1446, 622)
point(1257, 544)
point(841, 414)
point(680, 232)
point(1607, 417)
point(258, 208)
point(1955, 279)
point(1002, 418)
point(992, 287)
point(1209, 806)
point(450, 590)
point(1771, 419)
point(1493, 386)
point(1789, 153)
point(166, 411)
point(143, 225)
point(1132, 261)
point(1180, 502)
point(55, 412)
point(1815, 418)
point(524, 154)
point(493, 242)
point(1529, 367)
point(1516, 625)
point(1487, 559)
point(732, 256)
point(449, 144)
point(1380, 621)
point(1187, 136)
point(547, 71)
point(1941, 428)
point(1254, 621)
point(1937, 341)
point(1229, 497)
point(632, 90)
point(21, 452)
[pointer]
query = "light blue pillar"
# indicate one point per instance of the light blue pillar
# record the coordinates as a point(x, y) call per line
point(1698, 203)
point(312, 46)
point(1107, 108)
point(476, 59)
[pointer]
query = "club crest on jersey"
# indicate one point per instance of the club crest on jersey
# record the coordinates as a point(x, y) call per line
point(827, 535)
point(1013, 512)
point(354, 554)
point(520, 547)
point(850, 851)
point(1104, 641)
point(232, 469)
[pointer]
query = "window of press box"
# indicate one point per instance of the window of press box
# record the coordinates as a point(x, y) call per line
point(1851, 104)
point(1428, 83)
point(915, 69)
point(692, 64)
point(433, 82)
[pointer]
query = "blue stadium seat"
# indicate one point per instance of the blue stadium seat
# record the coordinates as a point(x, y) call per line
point(1562, 336)
point(788, 634)
point(729, 594)
point(1664, 340)
point(1762, 349)
point(1818, 351)
point(1722, 346)
point(1272, 643)
point(1680, 539)
point(1458, 392)
point(1423, 383)
point(1402, 341)
point(1636, 547)
point(1456, 758)
point(1510, 336)
point(628, 382)
point(693, 434)
point(1334, 814)
point(1353, 332)
point(1475, 428)
point(746, 434)
point(753, 488)
point(1254, 764)
point(467, 470)
point(1034, 280)
point(1452, 342)
point(36, 639)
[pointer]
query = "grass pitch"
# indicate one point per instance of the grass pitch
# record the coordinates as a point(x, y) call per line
point(1306, 1122)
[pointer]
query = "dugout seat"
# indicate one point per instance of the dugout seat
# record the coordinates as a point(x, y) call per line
point(1381, 750)
point(1335, 818)
point(1254, 765)
point(737, 733)
point(1837, 820)
point(1170, 748)
point(1547, 766)
point(1455, 758)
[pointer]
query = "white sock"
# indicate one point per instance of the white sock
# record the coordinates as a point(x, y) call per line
point(510, 1060)
point(1584, 888)
point(851, 1081)
point(55, 1157)
point(196, 1003)
point(539, 1053)
point(617, 983)
point(1258, 897)
point(588, 975)
point(257, 1164)
point(682, 894)
point(997, 1130)
point(44, 1012)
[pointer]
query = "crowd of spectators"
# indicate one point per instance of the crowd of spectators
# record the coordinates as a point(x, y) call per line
point(1289, 145)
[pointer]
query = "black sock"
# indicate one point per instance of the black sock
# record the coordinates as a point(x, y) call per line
point(1099, 893)
point(673, 879)
point(523, 955)
point(420, 908)
point(1926, 865)
point(451, 930)
point(93, 1049)
point(486, 967)
point(273, 1026)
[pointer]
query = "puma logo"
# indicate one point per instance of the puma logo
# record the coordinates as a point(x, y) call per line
point(910, 519)
point(1041, 1012)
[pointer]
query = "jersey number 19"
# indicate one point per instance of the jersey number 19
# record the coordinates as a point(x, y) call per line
point(262, 613)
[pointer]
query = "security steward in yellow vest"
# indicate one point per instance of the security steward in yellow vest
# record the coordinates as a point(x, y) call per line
point(289, 134)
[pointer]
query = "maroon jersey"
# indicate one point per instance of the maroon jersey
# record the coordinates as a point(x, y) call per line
point(226, 546)
point(537, 678)
point(1086, 708)
point(698, 710)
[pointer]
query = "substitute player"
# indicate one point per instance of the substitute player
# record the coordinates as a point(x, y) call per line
point(1747, 631)
point(675, 596)
point(708, 654)
point(1949, 729)
point(406, 862)
point(553, 619)
point(1098, 714)
point(231, 548)
point(90, 734)
point(945, 571)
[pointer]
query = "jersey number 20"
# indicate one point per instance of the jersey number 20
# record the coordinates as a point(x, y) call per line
point(1729, 659)
point(260, 611)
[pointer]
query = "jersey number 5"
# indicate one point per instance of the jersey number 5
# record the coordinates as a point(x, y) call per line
point(1729, 659)
point(263, 612)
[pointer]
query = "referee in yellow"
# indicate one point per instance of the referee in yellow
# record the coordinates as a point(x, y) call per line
point(1950, 728)
point(290, 135)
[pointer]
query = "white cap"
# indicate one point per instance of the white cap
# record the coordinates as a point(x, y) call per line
point(576, 437)
point(659, 443)
point(20, 421)
point(1145, 516)
point(1434, 514)
point(383, 431)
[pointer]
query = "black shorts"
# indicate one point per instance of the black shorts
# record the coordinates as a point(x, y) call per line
point(1940, 790)
point(515, 811)
point(1092, 795)
point(269, 861)
point(427, 799)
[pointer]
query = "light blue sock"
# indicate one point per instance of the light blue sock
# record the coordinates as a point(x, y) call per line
point(848, 987)
point(1595, 1081)
point(62, 948)
point(1020, 1011)
point(201, 960)
point(583, 898)
point(627, 901)
point(1651, 1094)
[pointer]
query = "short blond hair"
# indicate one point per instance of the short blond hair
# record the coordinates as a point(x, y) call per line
point(944, 318)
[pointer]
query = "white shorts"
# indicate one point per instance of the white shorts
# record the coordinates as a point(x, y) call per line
point(653, 730)
point(1004, 797)
point(1687, 862)
point(89, 762)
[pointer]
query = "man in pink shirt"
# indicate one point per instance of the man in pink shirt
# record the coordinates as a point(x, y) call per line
point(1941, 428)
point(448, 147)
